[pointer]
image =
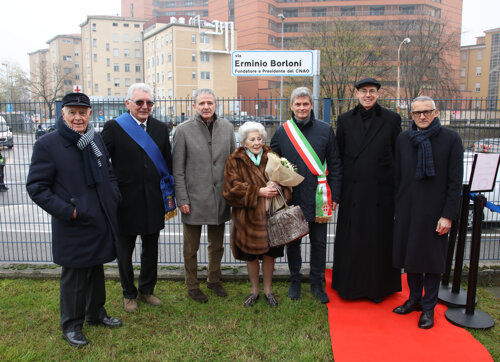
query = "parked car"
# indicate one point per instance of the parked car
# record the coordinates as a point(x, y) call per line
point(489, 145)
point(44, 129)
point(6, 138)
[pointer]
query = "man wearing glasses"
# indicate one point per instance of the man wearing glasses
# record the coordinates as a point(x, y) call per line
point(428, 174)
point(142, 211)
point(366, 135)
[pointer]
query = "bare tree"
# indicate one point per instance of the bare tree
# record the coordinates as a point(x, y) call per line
point(46, 84)
point(13, 83)
point(427, 62)
point(347, 55)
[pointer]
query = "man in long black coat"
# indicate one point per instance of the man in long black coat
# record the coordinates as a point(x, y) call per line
point(428, 173)
point(141, 211)
point(362, 266)
point(70, 178)
point(322, 141)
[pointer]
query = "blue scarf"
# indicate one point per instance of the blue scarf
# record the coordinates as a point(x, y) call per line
point(420, 138)
point(255, 160)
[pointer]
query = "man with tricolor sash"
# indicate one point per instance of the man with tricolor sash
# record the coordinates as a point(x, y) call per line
point(310, 144)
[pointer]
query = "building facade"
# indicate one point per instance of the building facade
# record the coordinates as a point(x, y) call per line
point(480, 69)
point(181, 57)
point(112, 55)
point(260, 22)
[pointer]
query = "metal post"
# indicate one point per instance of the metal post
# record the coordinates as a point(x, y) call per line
point(282, 17)
point(407, 41)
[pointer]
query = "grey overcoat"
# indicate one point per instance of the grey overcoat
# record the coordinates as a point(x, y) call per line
point(198, 168)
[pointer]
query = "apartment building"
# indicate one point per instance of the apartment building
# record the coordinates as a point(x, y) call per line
point(181, 57)
point(112, 55)
point(260, 22)
point(480, 68)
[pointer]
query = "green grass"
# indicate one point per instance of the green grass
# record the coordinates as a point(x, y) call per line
point(181, 329)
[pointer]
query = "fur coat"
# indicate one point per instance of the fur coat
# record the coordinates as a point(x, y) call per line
point(242, 181)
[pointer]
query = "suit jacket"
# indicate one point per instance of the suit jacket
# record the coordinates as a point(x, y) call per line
point(141, 211)
point(56, 183)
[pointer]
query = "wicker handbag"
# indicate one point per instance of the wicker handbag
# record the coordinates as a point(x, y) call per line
point(286, 225)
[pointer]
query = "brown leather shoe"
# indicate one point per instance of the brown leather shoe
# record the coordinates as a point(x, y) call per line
point(130, 305)
point(218, 289)
point(197, 295)
point(150, 299)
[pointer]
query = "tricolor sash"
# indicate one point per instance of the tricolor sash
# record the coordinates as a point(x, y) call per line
point(144, 140)
point(311, 159)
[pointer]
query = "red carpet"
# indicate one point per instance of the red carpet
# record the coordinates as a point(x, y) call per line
point(364, 331)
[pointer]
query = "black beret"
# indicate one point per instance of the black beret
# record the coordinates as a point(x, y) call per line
point(367, 81)
point(76, 99)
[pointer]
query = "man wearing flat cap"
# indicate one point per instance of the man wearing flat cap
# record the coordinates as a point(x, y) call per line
point(71, 179)
point(366, 135)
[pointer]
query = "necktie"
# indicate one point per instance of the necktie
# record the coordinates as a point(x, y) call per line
point(143, 126)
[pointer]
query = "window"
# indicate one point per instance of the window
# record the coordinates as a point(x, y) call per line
point(464, 56)
point(77, 52)
point(166, 39)
point(94, 43)
point(137, 38)
point(462, 87)
point(116, 38)
point(205, 57)
point(193, 75)
point(318, 12)
point(479, 54)
point(127, 82)
point(88, 71)
point(462, 72)
point(204, 39)
point(126, 52)
point(291, 12)
point(108, 77)
point(478, 87)
point(107, 47)
point(205, 75)
point(94, 27)
point(137, 67)
point(88, 55)
point(162, 58)
point(193, 57)
point(126, 38)
point(169, 57)
point(108, 62)
point(291, 27)
point(169, 75)
point(109, 91)
point(193, 39)
point(170, 93)
point(67, 70)
point(377, 10)
point(348, 11)
point(117, 82)
point(116, 67)
point(96, 87)
point(138, 53)
point(67, 58)
point(95, 58)
point(115, 24)
point(407, 9)
point(77, 76)
point(125, 25)
point(478, 71)
point(77, 65)
point(68, 82)
point(136, 25)
point(127, 67)
point(116, 52)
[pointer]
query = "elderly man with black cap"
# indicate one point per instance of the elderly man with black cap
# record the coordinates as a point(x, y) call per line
point(366, 135)
point(71, 179)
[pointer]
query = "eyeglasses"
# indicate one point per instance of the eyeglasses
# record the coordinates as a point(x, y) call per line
point(364, 91)
point(140, 102)
point(426, 113)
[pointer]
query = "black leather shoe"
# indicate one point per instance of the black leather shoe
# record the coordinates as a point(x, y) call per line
point(75, 338)
point(271, 300)
point(294, 290)
point(408, 307)
point(426, 320)
point(106, 322)
point(251, 299)
point(319, 293)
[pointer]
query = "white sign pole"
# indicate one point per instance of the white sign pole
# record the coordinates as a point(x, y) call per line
point(316, 83)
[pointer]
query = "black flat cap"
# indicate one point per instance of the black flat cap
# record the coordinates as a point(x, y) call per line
point(367, 81)
point(76, 99)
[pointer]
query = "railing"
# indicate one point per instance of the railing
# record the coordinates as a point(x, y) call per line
point(25, 231)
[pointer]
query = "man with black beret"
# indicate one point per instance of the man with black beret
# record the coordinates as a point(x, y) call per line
point(366, 135)
point(71, 179)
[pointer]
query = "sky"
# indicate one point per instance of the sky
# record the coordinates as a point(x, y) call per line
point(26, 25)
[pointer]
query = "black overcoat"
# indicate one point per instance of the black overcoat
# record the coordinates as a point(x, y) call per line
point(56, 176)
point(363, 244)
point(322, 139)
point(420, 203)
point(141, 211)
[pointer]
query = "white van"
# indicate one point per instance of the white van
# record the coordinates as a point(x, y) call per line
point(6, 139)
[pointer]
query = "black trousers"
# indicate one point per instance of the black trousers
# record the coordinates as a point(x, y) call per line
point(2, 184)
point(149, 264)
point(82, 296)
point(317, 236)
point(418, 282)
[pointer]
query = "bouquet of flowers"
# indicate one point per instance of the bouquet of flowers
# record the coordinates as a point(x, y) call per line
point(282, 172)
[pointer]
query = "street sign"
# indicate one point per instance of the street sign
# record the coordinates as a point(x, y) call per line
point(101, 118)
point(9, 107)
point(251, 63)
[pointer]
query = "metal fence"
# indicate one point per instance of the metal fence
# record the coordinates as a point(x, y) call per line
point(25, 230)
